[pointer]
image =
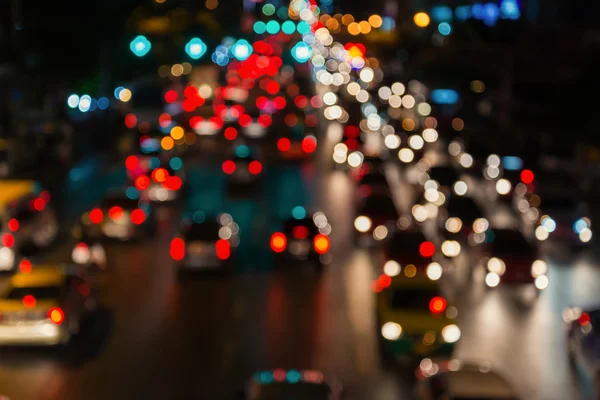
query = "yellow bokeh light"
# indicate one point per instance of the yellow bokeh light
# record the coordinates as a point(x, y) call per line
point(354, 28)
point(177, 132)
point(408, 124)
point(160, 1)
point(365, 27)
point(324, 18)
point(355, 52)
point(177, 70)
point(190, 138)
point(212, 4)
point(125, 95)
point(347, 19)
point(376, 21)
point(167, 143)
point(410, 270)
point(187, 68)
point(332, 24)
point(421, 19)
point(458, 124)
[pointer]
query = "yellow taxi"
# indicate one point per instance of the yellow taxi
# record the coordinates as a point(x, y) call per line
point(43, 305)
point(414, 318)
point(26, 219)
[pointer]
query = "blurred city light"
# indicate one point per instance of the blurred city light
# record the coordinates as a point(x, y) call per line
point(421, 19)
point(84, 103)
point(444, 29)
point(444, 96)
point(73, 101)
point(195, 48)
point(301, 52)
point(242, 49)
point(140, 46)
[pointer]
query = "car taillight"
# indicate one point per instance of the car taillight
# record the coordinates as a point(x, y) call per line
point(8, 240)
point(300, 232)
point(255, 167)
point(584, 319)
point(177, 249)
point(427, 249)
point(56, 315)
point(96, 216)
point(115, 213)
point(138, 216)
point(278, 242)
point(160, 175)
point(13, 225)
point(29, 301)
point(229, 167)
point(142, 182)
point(25, 266)
point(223, 249)
point(437, 305)
point(321, 243)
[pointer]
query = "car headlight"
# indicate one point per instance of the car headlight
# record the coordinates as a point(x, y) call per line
point(451, 333)
point(391, 268)
point(7, 259)
point(585, 235)
point(434, 271)
point(496, 265)
point(362, 223)
point(453, 225)
point(541, 282)
point(451, 248)
point(538, 268)
point(391, 331)
point(480, 225)
point(492, 279)
point(581, 224)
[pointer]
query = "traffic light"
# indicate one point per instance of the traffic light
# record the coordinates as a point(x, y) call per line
point(301, 52)
point(195, 48)
point(140, 46)
point(241, 49)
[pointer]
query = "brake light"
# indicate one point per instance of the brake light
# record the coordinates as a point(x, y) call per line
point(8, 240)
point(13, 225)
point(173, 183)
point(177, 249)
point(427, 249)
point(160, 175)
point(284, 144)
point(322, 243)
point(278, 242)
point(223, 249)
point(39, 204)
point(45, 195)
point(138, 216)
point(96, 216)
point(229, 167)
point(132, 162)
point(300, 232)
point(56, 315)
point(255, 167)
point(584, 319)
point(29, 301)
point(142, 182)
point(230, 133)
point(25, 266)
point(115, 213)
point(309, 144)
point(527, 176)
point(437, 305)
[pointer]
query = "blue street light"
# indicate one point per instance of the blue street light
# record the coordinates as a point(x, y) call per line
point(444, 96)
point(241, 49)
point(195, 48)
point(301, 52)
point(140, 46)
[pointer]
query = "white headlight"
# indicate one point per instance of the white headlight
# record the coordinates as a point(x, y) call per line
point(451, 248)
point(7, 259)
point(81, 254)
point(541, 282)
point(391, 268)
point(380, 232)
point(492, 279)
point(541, 233)
point(460, 188)
point(451, 333)
point(480, 225)
point(538, 268)
point(496, 266)
point(391, 331)
point(362, 223)
point(434, 271)
point(585, 235)
point(503, 186)
point(453, 225)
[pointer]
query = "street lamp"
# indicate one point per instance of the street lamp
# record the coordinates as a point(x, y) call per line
point(140, 46)
point(241, 49)
point(195, 48)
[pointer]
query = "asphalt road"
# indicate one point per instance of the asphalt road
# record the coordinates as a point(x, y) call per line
point(163, 337)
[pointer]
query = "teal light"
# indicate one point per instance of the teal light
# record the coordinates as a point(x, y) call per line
point(268, 9)
point(283, 13)
point(299, 212)
point(288, 27)
point(273, 27)
point(199, 217)
point(176, 163)
point(293, 376)
point(301, 52)
point(303, 27)
point(140, 46)
point(266, 377)
point(195, 48)
point(259, 27)
point(241, 49)
point(132, 193)
point(242, 151)
point(154, 162)
point(444, 28)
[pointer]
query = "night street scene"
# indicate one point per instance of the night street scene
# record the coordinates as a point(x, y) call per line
point(299, 200)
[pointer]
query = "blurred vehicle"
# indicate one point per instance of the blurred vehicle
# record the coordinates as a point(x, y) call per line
point(296, 147)
point(410, 247)
point(117, 217)
point(460, 217)
point(6, 158)
point(369, 164)
point(205, 242)
point(89, 254)
point(44, 305)
point(304, 239)
point(162, 184)
point(453, 379)
point(376, 217)
point(291, 384)
point(374, 183)
point(414, 318)
point(445, 176)
point(565, 218)
point(27, 220)
point(583, 340)
point(511, 260)
point(244, 168)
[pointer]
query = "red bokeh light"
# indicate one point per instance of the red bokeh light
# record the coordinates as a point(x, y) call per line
point(283, 144)
point(301, 101)
point(291, 120)
point(13, 224)
point(229, 167)
point(39, 204)
point(115, 213)
point(230, 133)
point(25, 266)
point(437, 305)
point(244, 120)
point(138, 216)
point(96, 216)
point(8, 240)
point(223, 249)
point(29, 301)
point(427, 249)
point(171, 96)
point(130, 121)
point(309, 144)
point(279, 102)
point(300, 232)
point(177, 249)
point(278, 242)
point(164, 120)
point(272, 87)
point(255, 167)
point(321, 243)
point(142, 182)
point(132, 162)
point(527, 176)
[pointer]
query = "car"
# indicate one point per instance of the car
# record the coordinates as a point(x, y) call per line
point(205, 242)
point(414, 317)
point(161, 184)
point(583, 339)
point(44, 305)
point(28, 221)
point(453, 379)
point(376, 217)
point(566, 219)
point(304, 237)
point(445, 176)
point(369, 164)
point(243, 168)
point(117, 217)
point(294, 384)
point(461, 217)
point(410, 247)
point(296, 147)
point(374, 183)
point(510, 259)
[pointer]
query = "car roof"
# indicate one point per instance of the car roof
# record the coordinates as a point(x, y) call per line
point(40, 276)
point(474, 383)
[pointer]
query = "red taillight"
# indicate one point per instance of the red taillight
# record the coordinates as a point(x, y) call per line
point(138, 216)
point(115, 213)
point(309, 144)
point(39, 204)
point(25, 266)
point(284, 144)
point(300, 232)
point(427, 249)
point(29, 301)
point(584, 319)
point(13, 225)
point(230, 133)
point(365, 190)
point(381, 283)
point(56, 315)
point(278, 242)
point(96, 216)
point(160, 175)
point(527, 176)
point(322, 243)
point(223, 249)
point(177, 249)
point(437, 305)
point(142, 182)
point(255, 167)
point(132, 162)
point(173, 183)
point(229, 167)
point(8, 240)
point(130, 121)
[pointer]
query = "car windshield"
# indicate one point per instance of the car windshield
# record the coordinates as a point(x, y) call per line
point(207, 231)
point(511, 243)
point(413, 298)
point(290, 226)
point(39, 292)
point(296, 391)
